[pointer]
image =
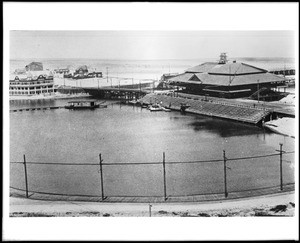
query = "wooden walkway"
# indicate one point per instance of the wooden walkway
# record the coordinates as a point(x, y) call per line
point(211, 107)
point(154, 199)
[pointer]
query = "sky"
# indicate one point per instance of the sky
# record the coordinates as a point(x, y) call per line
point(150, 45)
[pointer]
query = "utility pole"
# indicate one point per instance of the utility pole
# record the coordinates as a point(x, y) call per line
point(258, 91)
point(107, 74)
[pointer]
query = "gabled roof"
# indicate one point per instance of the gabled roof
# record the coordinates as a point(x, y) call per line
point(235, 69)
point(185, 77)
point(31, 74)
point(238, 80)
point(202, 68)
point(35, 63)
point(83, 67)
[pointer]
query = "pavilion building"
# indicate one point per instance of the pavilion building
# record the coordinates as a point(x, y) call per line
point(226, 79)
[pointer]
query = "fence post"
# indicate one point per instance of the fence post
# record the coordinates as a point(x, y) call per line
point(150, 210)
point(164, 170)
point(280, 155)
point(101, 177)
point(225, 177)
point(25, 170)
point(280, 165)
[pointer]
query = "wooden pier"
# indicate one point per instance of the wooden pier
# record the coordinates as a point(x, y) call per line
point(212, 108)
point(37, 108)
point(124, 92)
point(116, 93)
point(237, 110)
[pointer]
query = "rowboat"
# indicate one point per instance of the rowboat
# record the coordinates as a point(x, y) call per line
point(167, 109)
point(183, 107)
point(155, 107)
point(143, 105)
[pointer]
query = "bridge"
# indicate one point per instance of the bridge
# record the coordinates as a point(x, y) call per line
point(285, 72)
point(127, 92)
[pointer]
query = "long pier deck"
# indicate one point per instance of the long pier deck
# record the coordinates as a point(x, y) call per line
point(212, 108)
point(117, 92)
point(222, 108)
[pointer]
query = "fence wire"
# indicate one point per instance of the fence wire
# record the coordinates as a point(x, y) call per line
point(155, 163)
point(170, 177)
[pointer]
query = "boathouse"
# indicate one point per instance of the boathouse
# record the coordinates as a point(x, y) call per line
point(225, 79)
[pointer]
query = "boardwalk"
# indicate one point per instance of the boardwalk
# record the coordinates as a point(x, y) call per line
point(222, 108)
point(211, 108)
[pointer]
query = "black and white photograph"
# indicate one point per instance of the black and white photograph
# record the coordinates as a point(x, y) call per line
point(132, 117)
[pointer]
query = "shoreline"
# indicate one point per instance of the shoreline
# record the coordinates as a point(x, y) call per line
point(269, 205)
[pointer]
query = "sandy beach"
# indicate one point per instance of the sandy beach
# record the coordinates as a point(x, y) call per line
point(271, 205)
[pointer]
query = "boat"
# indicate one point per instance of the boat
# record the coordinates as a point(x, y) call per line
point(155, 107)
point(167, 109)
point(183, 107)
point(83, 104)
point(132, 102)
point(143, 105)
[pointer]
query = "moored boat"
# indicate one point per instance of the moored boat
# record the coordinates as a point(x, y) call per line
point(155, 107)
point(183, 107)
point(167, 109)
point(143, 105)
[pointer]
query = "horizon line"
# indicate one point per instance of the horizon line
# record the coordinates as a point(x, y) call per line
point(134, 59)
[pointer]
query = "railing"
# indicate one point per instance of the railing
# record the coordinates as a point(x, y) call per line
point(31, 84)
point(164, 165)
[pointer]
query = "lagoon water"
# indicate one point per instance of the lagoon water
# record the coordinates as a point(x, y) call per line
point(124, 133)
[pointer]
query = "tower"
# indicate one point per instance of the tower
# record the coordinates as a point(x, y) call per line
point(223, 58)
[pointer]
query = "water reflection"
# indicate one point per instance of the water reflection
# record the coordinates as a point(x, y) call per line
point(18, 104)
point(225, 128)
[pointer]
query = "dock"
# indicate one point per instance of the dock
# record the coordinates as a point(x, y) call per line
point(235, 110)
point(37, 108)
point(124, 92)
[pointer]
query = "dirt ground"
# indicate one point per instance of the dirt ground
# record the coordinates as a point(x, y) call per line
point(271, 205)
